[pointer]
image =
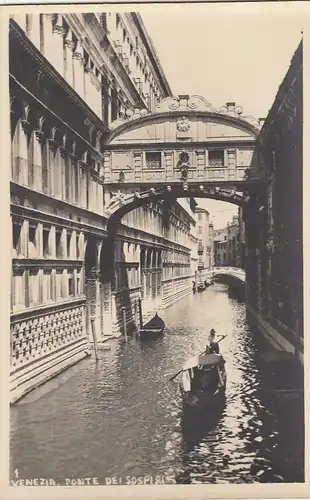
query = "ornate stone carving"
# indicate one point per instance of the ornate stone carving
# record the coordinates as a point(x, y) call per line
point(84, 158)
point(52, 139)
point(121, 177)
point(25, 117)
point(40, 76)
point(183, 124)
point(78, 51)
point(183, 165)
point(32, 338)
point(187, 104)
point(58, 24)
point(39, 131)
point(13, 101)
point(68, 42)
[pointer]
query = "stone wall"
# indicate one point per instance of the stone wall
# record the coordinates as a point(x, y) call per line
point(274, 227)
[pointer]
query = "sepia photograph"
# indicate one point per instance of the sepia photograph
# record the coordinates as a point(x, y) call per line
point(156, 242)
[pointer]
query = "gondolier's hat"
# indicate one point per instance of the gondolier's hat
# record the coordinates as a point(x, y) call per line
point(212, 331)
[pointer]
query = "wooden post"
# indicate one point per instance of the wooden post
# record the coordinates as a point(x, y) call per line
point(93, 329)
point(136, 314)
point(140, 312)
point(125, 323)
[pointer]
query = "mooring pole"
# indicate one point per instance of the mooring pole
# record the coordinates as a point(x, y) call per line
point(140, 312)
point(93, 329)
point(125, 322)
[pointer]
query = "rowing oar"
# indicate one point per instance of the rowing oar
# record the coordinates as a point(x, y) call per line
point(203, 352)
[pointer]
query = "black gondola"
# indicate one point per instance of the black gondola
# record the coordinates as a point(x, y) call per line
point(153, 328)
point(200, 287)
point(203, 381)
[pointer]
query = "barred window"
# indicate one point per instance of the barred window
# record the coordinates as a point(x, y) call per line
point(216, 158)
point(70, 285)
point(153, 159)
point(46, 232)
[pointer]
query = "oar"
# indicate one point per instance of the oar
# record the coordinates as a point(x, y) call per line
point(176, 374)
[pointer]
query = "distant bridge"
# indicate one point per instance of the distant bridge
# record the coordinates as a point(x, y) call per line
point(234, 272)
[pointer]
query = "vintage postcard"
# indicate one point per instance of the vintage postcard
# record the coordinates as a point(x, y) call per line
point(153, 273)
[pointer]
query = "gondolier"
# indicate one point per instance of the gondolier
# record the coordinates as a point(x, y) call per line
point(212, 347)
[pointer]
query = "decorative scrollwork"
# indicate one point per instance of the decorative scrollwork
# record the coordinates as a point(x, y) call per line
point(174, 104)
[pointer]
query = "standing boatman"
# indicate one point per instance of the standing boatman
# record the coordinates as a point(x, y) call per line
point(212, 347)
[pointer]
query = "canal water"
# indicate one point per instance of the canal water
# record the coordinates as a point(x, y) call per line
point(121, 417)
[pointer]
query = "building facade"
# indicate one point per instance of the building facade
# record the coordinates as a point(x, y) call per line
point(229, 243)
point(205, 241)
point(274, 232)
point(71, 77)
point(220, 247)
point(241, 236)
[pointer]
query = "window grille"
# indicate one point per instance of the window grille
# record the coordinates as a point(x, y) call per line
point(153, 160)
point(216, 158)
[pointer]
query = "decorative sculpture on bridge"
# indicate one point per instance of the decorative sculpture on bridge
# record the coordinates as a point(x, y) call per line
point(183, 165)
point(183, 124)
point(186, 104)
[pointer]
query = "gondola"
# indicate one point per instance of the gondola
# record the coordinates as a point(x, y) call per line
point(154, 328)
point(203, 382)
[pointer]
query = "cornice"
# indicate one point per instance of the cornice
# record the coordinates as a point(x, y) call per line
point(43, 309)
point(149, 240)
point(178, 145)
point(46, 264)
point(41, 216)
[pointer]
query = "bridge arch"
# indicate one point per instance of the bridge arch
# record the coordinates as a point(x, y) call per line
point(232, 272)
point(121, 204)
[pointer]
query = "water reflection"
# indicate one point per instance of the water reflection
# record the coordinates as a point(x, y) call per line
point(122, 416)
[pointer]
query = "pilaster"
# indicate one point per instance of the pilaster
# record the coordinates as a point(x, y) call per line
point(69, 45)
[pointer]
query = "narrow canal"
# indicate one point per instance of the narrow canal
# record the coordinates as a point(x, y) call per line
point(122, 417)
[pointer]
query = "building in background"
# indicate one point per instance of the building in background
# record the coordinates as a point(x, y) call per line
point(233, 250)
point(220, 247)
point(205, 241)
point(229, 243)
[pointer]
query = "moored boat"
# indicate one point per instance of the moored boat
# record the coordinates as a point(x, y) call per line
point(203, 382)
point(153, 328)
point(200, 286)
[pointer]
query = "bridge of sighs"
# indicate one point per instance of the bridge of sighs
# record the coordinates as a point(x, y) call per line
point(185, 148)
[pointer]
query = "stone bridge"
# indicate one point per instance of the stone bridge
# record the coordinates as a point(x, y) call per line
point(184, 140)
point(234, 272)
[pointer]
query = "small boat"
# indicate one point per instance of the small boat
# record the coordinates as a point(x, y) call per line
point(200, 286)
point(153, 328)
point(203, 381)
